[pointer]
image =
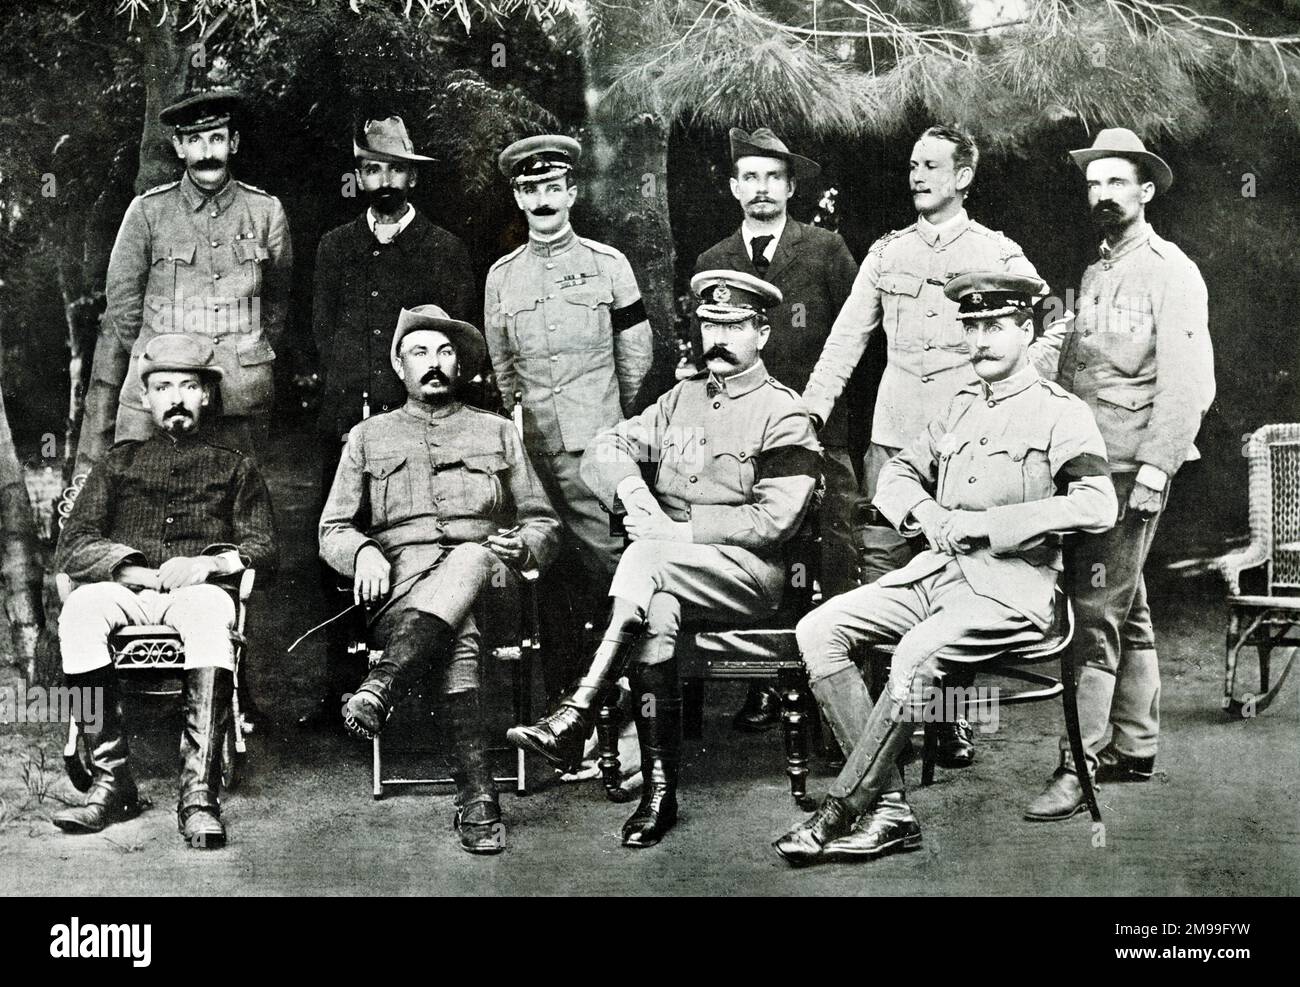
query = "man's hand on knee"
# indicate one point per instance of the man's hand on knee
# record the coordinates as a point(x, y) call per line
point(186, 571)
point(509, 548)
point(137, 576)
point(965, 530)
point(370, 583)
point(933, 520)
point(656, 527)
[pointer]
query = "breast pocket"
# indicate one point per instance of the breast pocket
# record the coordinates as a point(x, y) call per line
point(1126, 325)
point(1013, 470)
point(482, 482)
point(587, 320)
point(249, 258)
point(732, 467)
point(949, 448)
point(388, 486)
point(170, 264)
point(900, 296)
point(519, 312)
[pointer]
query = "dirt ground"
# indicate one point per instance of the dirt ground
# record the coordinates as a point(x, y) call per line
point(1221, 817)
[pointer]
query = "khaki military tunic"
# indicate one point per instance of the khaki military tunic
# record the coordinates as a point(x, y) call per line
point(737, 459)
point(899, 289)
point(184, 261)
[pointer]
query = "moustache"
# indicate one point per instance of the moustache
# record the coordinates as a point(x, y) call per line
point(720, 352)
point(1105, 209)
point(178, 410)
point(437, 376)
point(208, 164)
point(545, 211)
point(387, 196)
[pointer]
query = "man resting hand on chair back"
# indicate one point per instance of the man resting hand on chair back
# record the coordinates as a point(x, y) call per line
point(432, 505)
point(1013, 460)
point(155, 521)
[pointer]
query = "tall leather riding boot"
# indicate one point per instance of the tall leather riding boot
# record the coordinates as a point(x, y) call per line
point(846, 704)
point(416, 640)
point(559, 736)
point(657, 704)
point(112, 796)
point(872, 768)
point(478, 812)
point(208, 693)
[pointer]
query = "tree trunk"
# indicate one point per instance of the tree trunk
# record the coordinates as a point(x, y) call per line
point(167, 65)
point(626, 182)
point(20, 572)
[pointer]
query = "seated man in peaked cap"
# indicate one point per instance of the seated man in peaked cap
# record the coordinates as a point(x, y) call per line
point(1013, 460)
point(156, 520)
point(432, 504)
point(738, 464)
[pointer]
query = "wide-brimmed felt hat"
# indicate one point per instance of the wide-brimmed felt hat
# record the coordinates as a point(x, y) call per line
point(988, 294)
point(1120, 142)
point(180, 352)
point(732, 296)
point(471, 350)
point(539, 158)
point(386, 140)
point(202, 109)
point(764, 143)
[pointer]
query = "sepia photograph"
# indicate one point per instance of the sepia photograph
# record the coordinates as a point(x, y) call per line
point(638, 448)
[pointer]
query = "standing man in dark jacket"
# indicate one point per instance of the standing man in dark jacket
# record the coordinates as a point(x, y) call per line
point(814, 271)
point(389, 258)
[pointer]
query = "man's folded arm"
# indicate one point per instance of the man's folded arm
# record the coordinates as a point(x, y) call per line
point(910, 479)
point(340, 539)
point(618, 452)
point(539, 527)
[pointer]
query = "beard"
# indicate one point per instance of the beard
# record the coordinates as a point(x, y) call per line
point(177, 421)
point(762, 209)
point(386, 201)
point(1107, 215)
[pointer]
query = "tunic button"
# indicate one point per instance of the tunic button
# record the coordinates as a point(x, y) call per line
point(694, 479)
point(551, 326)
point(376, 332)
point(930, 314)
point(992, 403)
point(171, 520)
point(384, 407)
point(214, 244)
point(216, 277)
point(550, 296)
point(375, 253)
point(984, 441)
point(1080, 366)
point(925, 380)
point(929, 346)
point(704, 442)
point(374, 294)
point(559, 390)
point(214, 215)
point(970, 479)
point(555, 358)
point(550, 266)
point(743, 455)
point(717, 404)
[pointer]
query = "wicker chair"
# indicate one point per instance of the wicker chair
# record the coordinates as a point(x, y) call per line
point(1269, 620)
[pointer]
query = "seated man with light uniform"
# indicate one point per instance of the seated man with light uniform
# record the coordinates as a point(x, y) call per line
point(737, 466)
point(1013, 461)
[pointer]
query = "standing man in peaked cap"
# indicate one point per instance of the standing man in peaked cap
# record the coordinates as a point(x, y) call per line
point(206, 255)
point(1138, 352)
point(389, 258)
point(814, 271)
point(567, 330)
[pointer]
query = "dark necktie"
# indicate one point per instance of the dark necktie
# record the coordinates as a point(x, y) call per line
point(756, 248)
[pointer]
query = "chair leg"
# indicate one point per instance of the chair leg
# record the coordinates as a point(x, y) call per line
point(1232, 647)
point(795, 731)
point(1070, 702)
point(523, 690)
point(608, 727)
point(1265, 652)
point(929, 754)
point(692, 708)
point(376, 771)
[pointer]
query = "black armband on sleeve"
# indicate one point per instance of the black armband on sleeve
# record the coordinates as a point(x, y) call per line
point(1084, 464)
point(787, 461)
point(629, 315)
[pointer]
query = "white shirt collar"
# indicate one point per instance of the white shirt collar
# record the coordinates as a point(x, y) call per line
point(386, 232)
point(747, 233)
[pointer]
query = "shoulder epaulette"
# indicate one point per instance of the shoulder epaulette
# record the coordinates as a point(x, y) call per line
point(124, 443)
point(782, 387)
point(891, 235)
point(510, 256)
point(1010, 247)
point(499, 416)
point(253, 188)
point(600, 248)
point(160, 188)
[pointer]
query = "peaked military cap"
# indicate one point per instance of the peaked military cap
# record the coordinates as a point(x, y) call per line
point(1120, 142)
point(386, 140)
point(988, 294)
point(471, 350)
point(182, 352)
point(539, 159)
point(201, 109)
point(763, 143)
point(732, 296)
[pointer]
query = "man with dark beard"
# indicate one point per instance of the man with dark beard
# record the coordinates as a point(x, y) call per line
point(1138, 352)
point(433, 504)
point(156, 521)
point(389, 258)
